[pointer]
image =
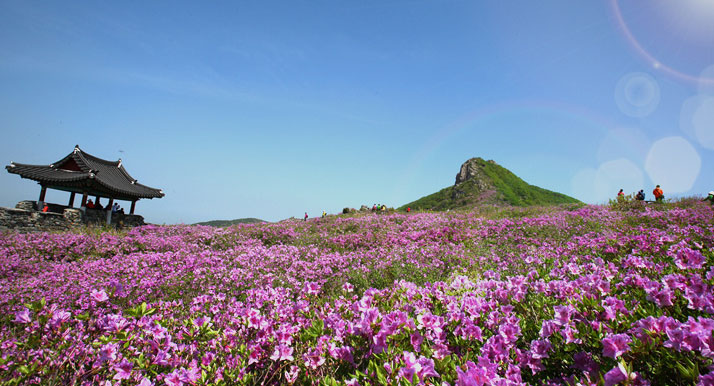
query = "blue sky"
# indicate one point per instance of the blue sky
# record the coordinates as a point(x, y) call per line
point(270, 109)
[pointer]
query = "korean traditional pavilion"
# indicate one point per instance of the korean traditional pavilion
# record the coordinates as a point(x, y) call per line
point(83, 173)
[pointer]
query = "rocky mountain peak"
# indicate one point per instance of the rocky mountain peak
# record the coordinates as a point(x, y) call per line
point(486, 183)
point(472, 168)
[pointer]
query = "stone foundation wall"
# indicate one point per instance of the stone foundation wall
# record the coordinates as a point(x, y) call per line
point(25, 218)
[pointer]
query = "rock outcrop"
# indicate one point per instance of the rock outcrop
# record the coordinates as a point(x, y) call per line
point(25, 218)
point(472, 169)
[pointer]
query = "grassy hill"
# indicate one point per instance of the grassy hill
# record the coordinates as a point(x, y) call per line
point(482, 182)
point(227, 223)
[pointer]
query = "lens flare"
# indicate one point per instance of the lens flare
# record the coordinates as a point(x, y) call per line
point(703, 122)
point(697, 119)
point(637, 94)
point(623, 142)
point(681, 33)
point(674, 164)
point(617, 174)
point(601, 184)
point(707, 88)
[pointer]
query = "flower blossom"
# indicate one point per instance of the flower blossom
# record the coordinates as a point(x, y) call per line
point(282, 353)
point(23, 316)
point(123, 370)
point(615, 345)
point(422, 367)
point(99, 296)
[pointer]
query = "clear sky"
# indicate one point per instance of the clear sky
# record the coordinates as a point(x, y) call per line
point(269, 109)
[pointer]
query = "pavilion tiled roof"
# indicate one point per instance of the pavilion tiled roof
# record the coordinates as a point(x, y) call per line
point(82, 172)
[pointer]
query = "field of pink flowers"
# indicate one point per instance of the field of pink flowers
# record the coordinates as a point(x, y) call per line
point(582, 297)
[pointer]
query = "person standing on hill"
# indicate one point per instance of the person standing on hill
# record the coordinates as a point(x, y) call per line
point(710, 197)
point(305, 219)
point(658, 193)
point(640, 195)
point(620, 195)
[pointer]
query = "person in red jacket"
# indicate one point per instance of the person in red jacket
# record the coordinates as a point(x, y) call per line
point(658, 193)
point(621, 195)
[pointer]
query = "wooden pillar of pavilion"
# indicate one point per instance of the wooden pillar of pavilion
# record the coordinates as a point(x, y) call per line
point(71, 200)
point(109, 211)
point(84, 200)
point(133, 206)
point(42, 193)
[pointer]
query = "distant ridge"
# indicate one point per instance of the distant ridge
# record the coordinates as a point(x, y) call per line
point(227, 223)
point(481, 182)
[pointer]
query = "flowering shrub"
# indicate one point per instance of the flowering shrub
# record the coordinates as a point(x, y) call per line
point(587, 296)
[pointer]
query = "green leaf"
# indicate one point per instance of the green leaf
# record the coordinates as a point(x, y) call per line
point(683, 370)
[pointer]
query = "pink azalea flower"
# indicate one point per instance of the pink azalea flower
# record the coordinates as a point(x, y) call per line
point(162, 358)
point(292, 374)
point(312, 288)
point(422, 367)
point(174, 378)
point(706, 380)
point(548, 328)
point(510, 332)
point(201, 320)
point(282, 353)
point(108, 352)
point(59, 317)
point(123, 370)
point(208, 358)
point(618, 374)
point(190, 375)
point(563, 314)
point(99, 296)
point(416, 340)
point(615, 345)
point(614, 376)
point(313, 359)
point(145, 382)
point(540, 348)
point(689, 259)
point(23, 316)
point(473, 376)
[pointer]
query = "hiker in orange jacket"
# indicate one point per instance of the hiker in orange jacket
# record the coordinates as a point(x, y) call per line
point(658, 193)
